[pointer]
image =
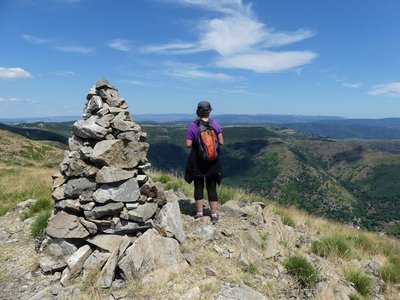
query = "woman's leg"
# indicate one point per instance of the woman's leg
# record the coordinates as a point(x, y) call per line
point(199, 195)
point(211, 185)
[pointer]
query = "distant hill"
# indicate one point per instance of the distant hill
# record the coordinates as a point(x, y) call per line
point(35, 133)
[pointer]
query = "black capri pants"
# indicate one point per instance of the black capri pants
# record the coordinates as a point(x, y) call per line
point(211, 185)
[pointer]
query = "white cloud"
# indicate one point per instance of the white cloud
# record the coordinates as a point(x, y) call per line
point(238, 36)
point(267, 62)
point(121, 45)
point(63, 73)
point(9, 100)
point(391, 89)
point(74, 49)
point(136, 82)
point(34, 40)
point(14, 73)
point(195, 72)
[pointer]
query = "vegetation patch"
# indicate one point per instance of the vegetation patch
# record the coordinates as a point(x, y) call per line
point(299, 267)
point(391, 271)
point(334, 245)
point(40, 205)
point(362, 281)
point(40, 223)
point(363, 242)
point(285, 217)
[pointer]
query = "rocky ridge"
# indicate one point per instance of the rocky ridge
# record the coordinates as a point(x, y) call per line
point(108, 214)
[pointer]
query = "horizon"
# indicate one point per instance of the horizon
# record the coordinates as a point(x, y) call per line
point(244, 56)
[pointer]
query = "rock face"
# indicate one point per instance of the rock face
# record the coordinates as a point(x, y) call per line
point(104, 199)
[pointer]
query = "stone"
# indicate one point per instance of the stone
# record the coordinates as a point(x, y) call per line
point(116, 153)
point(106, 242)
point(149, 189)
point(68, 205)
point(24, 205)
point(75, 143)
point(95, 261)
point(86, 152)
point(88, 205)
point(75, 264)
point(141, 179)
point(203, 229)
point(75, 187)
point(56, 288)
point(170, 219)
point(112, 174)
point(59, 193)
point(105, 121)
point(107, 273)
point(129, 136)
point(120, 123)
point(78, 167)
point(240, 292)
point(143, 212)
point(58, 180)
point(110, 209)
point(54, 255)
point(66, 226)
point(94, 104)
point(127, 191)
point(126, 227)
point(254, 213)
point(92, 92)
point(88, 129)
point(111, 97)
point(90, 226)
point(104, 111)
point(130, 206)
point(193, 293)
point(103, 83)
point(152, 257)
point(232, 209)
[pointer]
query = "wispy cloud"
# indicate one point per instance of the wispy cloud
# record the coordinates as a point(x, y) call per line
point(352, 85)
point(195, 71)
point(63, 73)
point(342, 80)
point(34, 40)
point(14, 73)
point(57, 44)
point(267, 62)
point(391, 89)
point(74, 49)
point(121, 45)
point(10, 101)
point(136, 82)
point(238, 36)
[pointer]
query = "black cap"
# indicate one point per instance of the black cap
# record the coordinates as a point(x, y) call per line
point(204, 106)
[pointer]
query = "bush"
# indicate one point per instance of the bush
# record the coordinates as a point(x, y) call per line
point(40, 223)
point(332, 245)
point(363, 242)
point(362, 282)
point(299, 267)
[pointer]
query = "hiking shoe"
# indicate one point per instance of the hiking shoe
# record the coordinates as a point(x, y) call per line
point(198, 215)
point(214, 218)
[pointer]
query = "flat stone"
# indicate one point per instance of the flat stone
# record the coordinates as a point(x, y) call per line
point(240, 292)
point(67, 226)
point(143, 212)
point(108, 272)
point(112, 174)
point(129, 135)
point(88, 129)
point(95, 261)
point(90, 226)
point(130, 206)
point(120, 122)
point(141, 179)
point(75, 143)
point(203, 229)
point(105, 121)
point(126, 227)
point(110, 209)
point(103, 83)
point(127, 191)
point(75, 187)
point(59, 193)
point(68, 205)
point(106, 242)
point(94, 104)
point(75, 264)
point(92, 92)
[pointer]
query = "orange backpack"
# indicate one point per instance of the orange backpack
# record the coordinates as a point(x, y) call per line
point(207, 142)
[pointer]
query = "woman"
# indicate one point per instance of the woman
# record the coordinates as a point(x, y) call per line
point(198, 169)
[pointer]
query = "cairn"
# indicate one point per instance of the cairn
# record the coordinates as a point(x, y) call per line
point(107, 211)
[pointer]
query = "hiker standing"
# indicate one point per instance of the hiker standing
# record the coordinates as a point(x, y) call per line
point(204, 137)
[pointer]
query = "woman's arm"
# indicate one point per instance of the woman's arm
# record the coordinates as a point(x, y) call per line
point(220, 139)
point(188, 143)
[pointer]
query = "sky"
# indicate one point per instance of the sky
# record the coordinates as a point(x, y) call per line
point(332, 57)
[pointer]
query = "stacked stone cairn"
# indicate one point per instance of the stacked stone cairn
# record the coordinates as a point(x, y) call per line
point(109, 217)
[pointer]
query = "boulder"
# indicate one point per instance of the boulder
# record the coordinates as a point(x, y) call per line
point(95, 261)
point(170, 219)
point(66, 226)
point(152, 257)
point(94, 104)
point(112, 174)
point(75, 143)
point(88, 129)
point(127, 191)
point(106, 242)
point(107, 273)
point(120, 123)
point(75, 264)
point(54, 255)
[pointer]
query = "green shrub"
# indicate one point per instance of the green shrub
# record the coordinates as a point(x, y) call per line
point(285, 217)
point(356, 297)
point(40, 205)
point(299, 267)
point(40, 223)
point(163, 178)
point(251, 268)
point(332, 245)
point(363, 242)
point(362, 281)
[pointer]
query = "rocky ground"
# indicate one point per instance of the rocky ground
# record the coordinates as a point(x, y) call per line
point(242, 257)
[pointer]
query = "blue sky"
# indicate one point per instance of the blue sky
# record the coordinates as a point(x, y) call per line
point(311, 57)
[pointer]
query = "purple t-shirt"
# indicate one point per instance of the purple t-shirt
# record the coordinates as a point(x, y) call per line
point(193, 129)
